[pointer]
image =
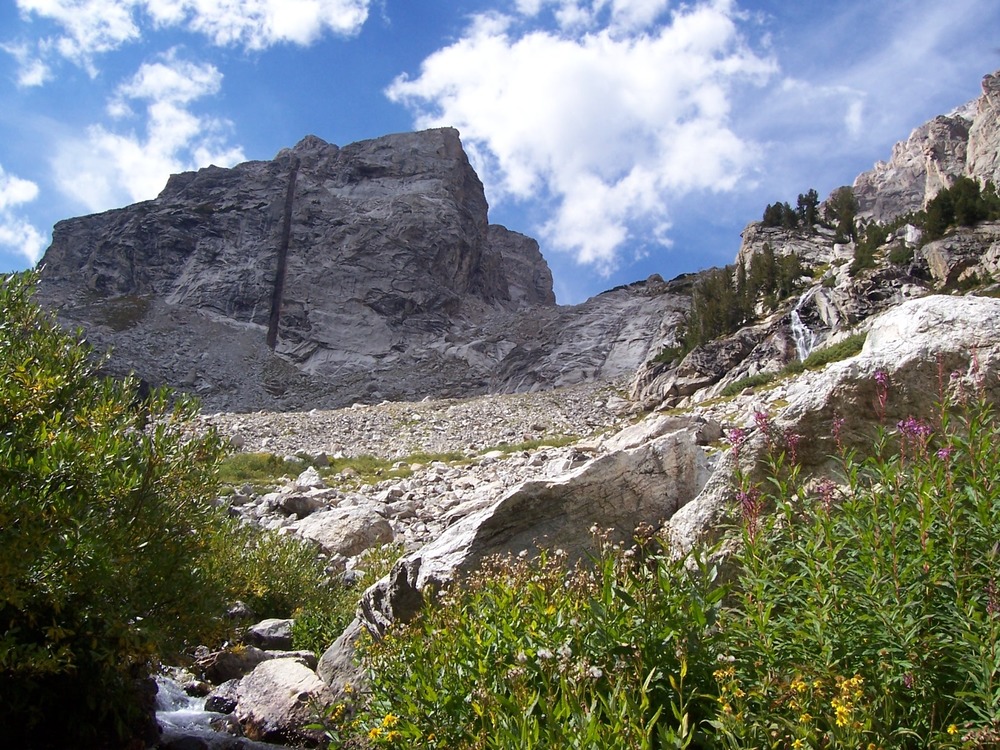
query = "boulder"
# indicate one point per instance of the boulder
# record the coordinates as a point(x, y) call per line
point(278, 699)
point(963, 253)
point(345, 531)
point(224, 698)
point(220, 666)
point(647, 475)
point(918, 345)
point(270, 634)
point(338, 667)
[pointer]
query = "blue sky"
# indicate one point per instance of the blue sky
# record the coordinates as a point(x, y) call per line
point(629, 137)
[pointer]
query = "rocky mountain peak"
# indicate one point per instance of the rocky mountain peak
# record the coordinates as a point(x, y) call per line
point(330, 275)
point(964, 142)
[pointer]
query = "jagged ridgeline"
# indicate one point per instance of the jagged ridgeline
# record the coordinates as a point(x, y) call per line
point(811, 275)
point(328, 276)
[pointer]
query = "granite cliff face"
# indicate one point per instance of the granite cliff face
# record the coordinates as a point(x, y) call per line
point(331, 275)
point(965, 142)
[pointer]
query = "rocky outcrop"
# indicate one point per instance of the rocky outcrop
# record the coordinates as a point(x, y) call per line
point(983, 154)
point(918, 168)
point(813, 247)
point(965, 142)
point(972, 254)
point(329, 276)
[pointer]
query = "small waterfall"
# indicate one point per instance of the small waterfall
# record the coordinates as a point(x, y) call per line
point(804, 338)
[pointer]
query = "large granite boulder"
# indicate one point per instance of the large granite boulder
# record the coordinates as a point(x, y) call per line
point(643, 476)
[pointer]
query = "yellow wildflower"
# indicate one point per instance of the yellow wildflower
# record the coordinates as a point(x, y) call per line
point(374, 733)
point(390, 720)
point(952, 729)
point(798, 743)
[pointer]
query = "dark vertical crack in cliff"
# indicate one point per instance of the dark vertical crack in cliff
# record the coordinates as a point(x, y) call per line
point(284, 242)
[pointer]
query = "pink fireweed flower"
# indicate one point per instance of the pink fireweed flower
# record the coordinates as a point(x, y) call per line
point(914, 428)
point(826, 490)
point(792, 442)
point(945, 453)
point(881, 392)
point(736, 437)
point(750, 506)
point(838, 428)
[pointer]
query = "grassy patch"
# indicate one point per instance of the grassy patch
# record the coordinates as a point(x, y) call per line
point(265, 470)
point(818, 359)
point(737, 387)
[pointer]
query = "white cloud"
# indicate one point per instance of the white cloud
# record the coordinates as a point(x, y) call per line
point(88, 28)
point(607, 124)
point(16, 232)
point(108, 168)
point(32, 70)
point(257, 24)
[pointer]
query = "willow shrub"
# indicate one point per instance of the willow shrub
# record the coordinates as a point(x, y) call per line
point(539, 653)
point(110, 553)
point(867, 611)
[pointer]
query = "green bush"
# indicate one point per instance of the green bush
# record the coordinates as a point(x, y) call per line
point(104, 533)
point(275, 574)
point(833, 353)
point(751, 381)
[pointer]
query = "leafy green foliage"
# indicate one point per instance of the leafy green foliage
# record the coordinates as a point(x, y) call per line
point(780, 215)
point(536, 653)
point(862, 613)
point(111, 551)
point(716, 308)
point(873, 236)
point(805, 213)
point(104, 532)
point(751, 381)
point(841, 210)
point(320, 622)
point(258, 469)
point(867, 610)
point(275, 574)
point(832, 353)
point(807, 208)
point(669, 355)
point(725, 298)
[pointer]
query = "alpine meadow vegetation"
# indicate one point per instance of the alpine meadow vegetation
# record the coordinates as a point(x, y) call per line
point(858, 610)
